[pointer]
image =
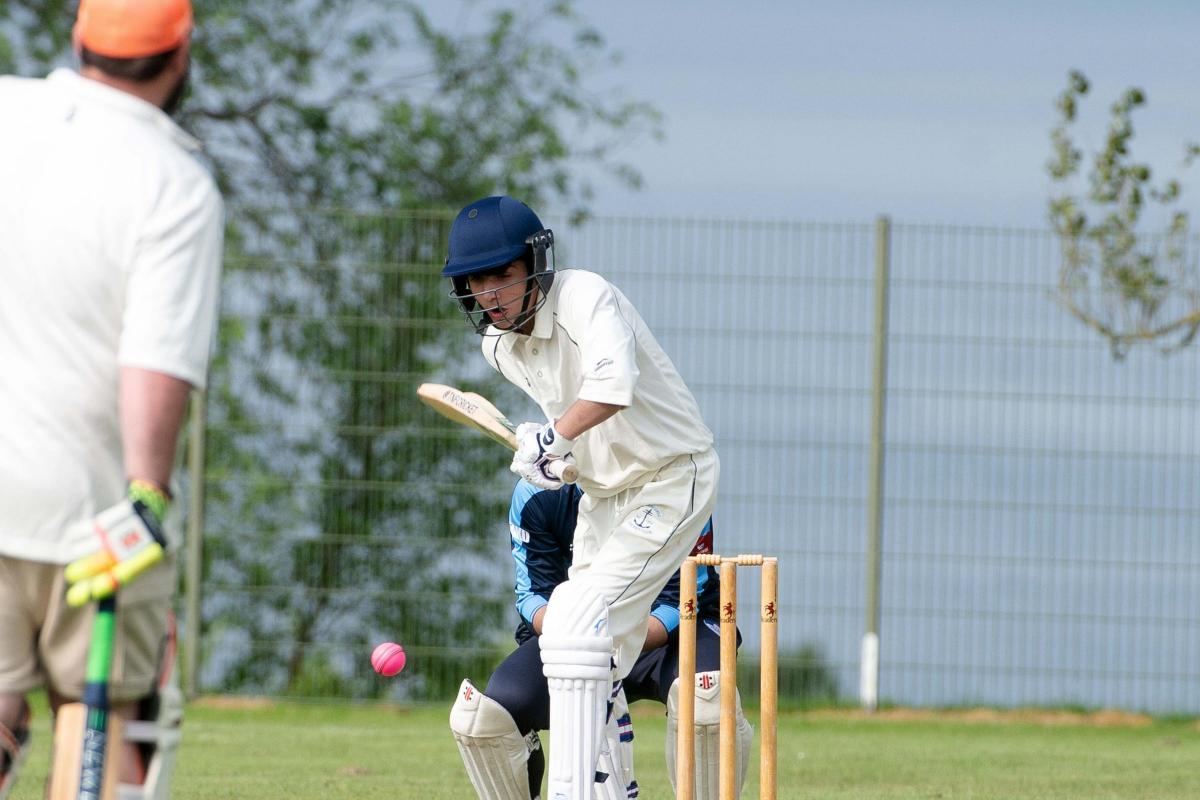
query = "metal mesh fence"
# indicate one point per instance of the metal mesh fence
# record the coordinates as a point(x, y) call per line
point(1040, 541)
point(1038, 536)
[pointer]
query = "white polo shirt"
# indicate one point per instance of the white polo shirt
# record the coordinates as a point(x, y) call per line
point(589, 342)
point(110, 248)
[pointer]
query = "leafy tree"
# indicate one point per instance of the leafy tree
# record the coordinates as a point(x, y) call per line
point(1128, 286)
point(351, 102)
point(338, 513)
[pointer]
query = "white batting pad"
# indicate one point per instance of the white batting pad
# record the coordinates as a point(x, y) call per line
point(577, 662)
point(492, 749)
point(575, 609)
point(614, 770)
point(165, 734)
point(708, 735)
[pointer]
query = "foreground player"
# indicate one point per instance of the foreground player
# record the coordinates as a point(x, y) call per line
point(110, 242)
point(616, 406)
point(497, 730)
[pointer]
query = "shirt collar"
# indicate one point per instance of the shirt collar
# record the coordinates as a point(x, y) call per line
point(543, 323)
point(124, 102)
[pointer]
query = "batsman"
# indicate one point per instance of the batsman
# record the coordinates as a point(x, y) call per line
point(110, 258)
point(617, 408)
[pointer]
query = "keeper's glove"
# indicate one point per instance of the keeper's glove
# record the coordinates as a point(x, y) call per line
point(539, 446)
point(125, 541)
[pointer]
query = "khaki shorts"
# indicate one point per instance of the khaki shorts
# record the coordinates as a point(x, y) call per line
point(44, 642)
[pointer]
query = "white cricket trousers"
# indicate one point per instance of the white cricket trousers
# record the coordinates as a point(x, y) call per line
point(629, 545)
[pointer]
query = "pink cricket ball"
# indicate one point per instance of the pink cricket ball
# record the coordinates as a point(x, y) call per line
point(388, 659)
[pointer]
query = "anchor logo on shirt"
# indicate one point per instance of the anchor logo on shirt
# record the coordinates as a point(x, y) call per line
point(642, 520)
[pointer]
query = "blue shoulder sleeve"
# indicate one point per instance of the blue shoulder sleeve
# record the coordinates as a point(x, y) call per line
point(539, 522)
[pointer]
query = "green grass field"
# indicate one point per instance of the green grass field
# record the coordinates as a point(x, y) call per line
point(234, 749)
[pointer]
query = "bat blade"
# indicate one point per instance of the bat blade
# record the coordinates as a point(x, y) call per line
point(70, 752)
point(476, 411)
point(460, 407)
point(486, 405)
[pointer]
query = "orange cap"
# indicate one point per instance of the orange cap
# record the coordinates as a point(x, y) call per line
point(133, 28)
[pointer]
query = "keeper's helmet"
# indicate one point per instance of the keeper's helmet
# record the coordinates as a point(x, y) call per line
point(490, 234)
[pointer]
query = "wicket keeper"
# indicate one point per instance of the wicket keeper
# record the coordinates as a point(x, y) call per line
point(615, 406)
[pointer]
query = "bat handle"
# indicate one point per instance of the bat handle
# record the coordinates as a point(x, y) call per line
point(567, 473)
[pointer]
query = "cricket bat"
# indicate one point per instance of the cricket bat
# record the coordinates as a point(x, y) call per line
point(475, 411)
point(85, 735)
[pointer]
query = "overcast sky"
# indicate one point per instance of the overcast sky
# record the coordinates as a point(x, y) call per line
point(928, 111)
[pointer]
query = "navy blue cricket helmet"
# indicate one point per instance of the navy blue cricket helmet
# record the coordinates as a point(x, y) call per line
point(489, 234)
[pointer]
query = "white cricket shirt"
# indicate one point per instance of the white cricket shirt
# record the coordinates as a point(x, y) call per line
point(589, 342)
point(110, 247)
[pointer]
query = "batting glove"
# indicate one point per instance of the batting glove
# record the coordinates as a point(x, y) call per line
point(125, 541)
point(539, 447)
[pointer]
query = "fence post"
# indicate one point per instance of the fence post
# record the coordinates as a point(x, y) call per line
point(868, 686)
point(195, 545)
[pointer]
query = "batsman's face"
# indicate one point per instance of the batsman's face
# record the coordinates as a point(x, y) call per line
point(502, 293)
